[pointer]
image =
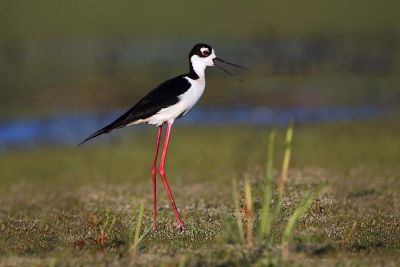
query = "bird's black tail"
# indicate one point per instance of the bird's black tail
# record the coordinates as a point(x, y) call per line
point(114, 125)
point(120, 122)
point(95, 134)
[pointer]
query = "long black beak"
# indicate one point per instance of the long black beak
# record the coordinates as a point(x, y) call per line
point(231, 64)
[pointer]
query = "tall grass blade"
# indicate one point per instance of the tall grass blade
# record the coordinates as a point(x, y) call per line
point(284, 174)
point(301, 209)
point(249, 211)
point(266, 219)
point(238, 214)
point(136, 237)
point(145, 232)
point(182, 261)
point(286, 160)
point(139, 224)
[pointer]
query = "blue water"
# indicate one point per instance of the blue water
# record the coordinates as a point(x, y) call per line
point(70, 129)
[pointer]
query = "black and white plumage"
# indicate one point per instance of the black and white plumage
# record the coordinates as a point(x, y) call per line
point(169, 101)
point(173, 98)
point(158, 106)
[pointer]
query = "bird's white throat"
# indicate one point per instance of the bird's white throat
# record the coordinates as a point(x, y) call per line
point(198, 65)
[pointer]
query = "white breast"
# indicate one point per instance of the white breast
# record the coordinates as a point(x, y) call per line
point(192, 96)
point(186, 102)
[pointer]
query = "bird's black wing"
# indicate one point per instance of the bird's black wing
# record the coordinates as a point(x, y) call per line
point(166, 94)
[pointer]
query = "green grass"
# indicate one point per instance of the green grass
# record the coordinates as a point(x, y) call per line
point(48, 195)
point(269, 214)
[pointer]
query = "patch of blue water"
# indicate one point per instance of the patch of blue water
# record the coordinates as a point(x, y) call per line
point(71, 129)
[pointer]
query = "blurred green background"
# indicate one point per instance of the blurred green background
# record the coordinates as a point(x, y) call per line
point(68, 56)
point(67, 68)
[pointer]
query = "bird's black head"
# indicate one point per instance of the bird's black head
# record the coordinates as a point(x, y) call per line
point(201, 50)
point(202, 56)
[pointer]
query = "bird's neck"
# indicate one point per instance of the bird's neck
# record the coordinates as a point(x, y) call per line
point(197, 70)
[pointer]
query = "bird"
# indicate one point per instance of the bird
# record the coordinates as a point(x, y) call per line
point(166, 103)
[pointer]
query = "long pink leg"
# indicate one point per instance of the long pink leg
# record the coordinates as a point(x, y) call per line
point(164, 178)
point(154, 173)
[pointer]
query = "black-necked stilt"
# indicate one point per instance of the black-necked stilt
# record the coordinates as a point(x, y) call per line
point(163, 105)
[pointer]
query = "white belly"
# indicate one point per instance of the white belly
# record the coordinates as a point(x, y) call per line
point(186, 102)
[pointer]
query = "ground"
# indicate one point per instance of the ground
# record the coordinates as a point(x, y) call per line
point(50, 198)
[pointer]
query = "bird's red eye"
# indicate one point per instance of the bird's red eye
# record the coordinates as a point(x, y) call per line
point(206, 53)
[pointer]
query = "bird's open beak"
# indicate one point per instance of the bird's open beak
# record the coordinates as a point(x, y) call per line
point(217, 59)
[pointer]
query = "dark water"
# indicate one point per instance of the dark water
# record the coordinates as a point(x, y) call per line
point(69, 129)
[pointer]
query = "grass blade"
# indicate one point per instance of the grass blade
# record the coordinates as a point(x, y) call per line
point(266, 206)
point(286, 160)
point(139, 223)
point(182, 261)
point(136, 238)
point(238, 215)
point(249, 211)
point(284, 174)
point(145, 232)
point(301, 209)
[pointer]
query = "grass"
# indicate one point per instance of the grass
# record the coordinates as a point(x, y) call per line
point(135, 236)
point(269, 215)
point(102, 227)
point(47, 195)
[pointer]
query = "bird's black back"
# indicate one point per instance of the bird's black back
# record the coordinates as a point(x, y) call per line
point(164, 95)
